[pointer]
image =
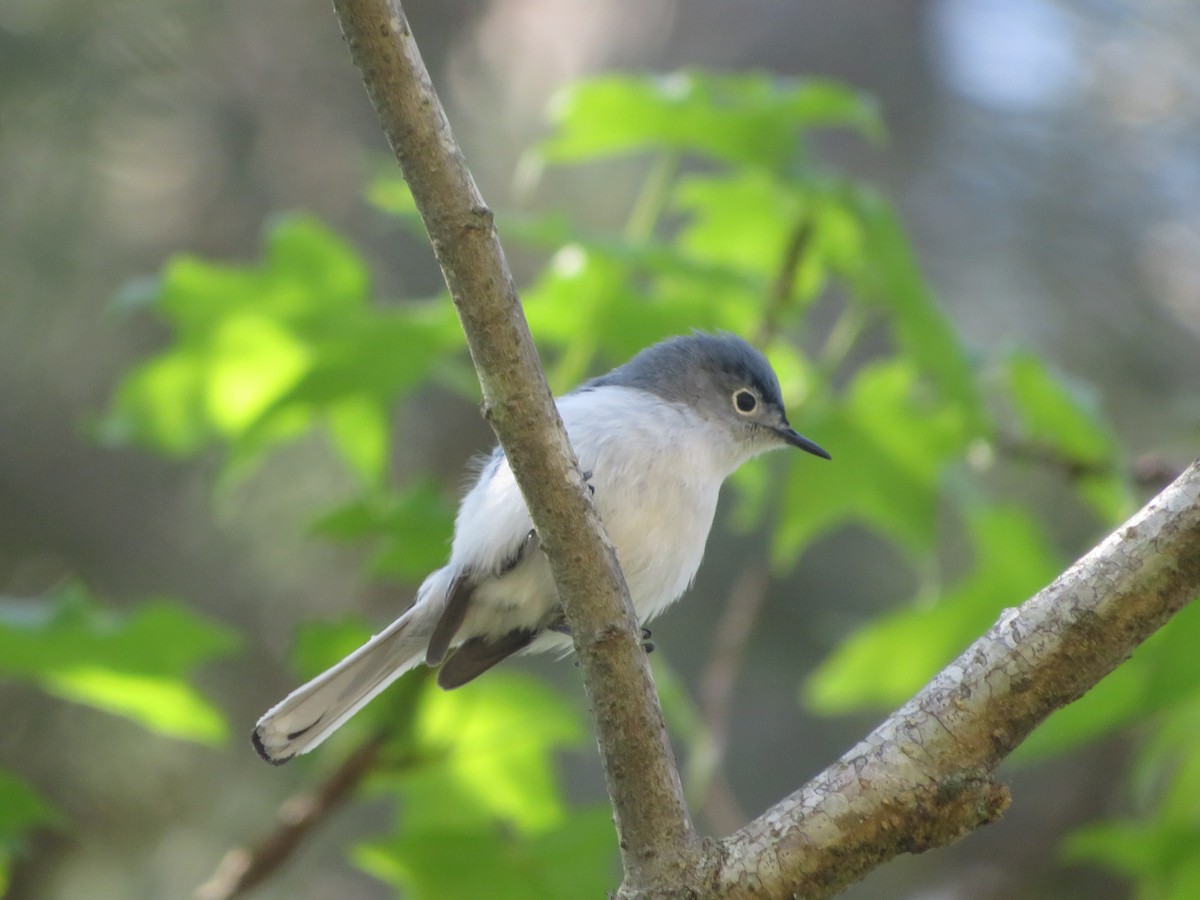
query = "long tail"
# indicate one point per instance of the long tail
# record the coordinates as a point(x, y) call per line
point(312, 712)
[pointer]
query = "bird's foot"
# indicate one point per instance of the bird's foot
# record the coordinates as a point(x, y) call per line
point(647, 644)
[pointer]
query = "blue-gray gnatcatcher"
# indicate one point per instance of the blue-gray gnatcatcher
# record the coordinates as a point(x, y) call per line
point(656, 438)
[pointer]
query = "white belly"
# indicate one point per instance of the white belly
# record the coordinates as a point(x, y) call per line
point(656, 474)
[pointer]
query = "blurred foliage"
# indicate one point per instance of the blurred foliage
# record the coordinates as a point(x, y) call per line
point(473, 774)
point(261, 354)
point(1158, 849)
point(135, 665)
point(738, 227)
point(21, 812)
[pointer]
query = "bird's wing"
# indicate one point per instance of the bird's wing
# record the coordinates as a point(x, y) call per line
point(312, 712)
point(458, 598)
point(476, 656)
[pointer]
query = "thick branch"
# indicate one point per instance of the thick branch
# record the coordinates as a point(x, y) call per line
point(924, 777)
point(656, 834)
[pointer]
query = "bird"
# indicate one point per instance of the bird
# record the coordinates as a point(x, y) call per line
point(655, 439)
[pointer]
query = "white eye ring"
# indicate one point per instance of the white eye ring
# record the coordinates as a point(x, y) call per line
point(744, 401)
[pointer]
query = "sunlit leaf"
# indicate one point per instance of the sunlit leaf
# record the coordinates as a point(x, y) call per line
point(890, 439)
point(586, 303)
point(498, 736)
point(574, 858)
point(263, 352)
point(134, 665)
point(486, 788)
point(389, 192)
point(162, 704)
point(1056, 415)
point(360, 429)
point(742, 219)
point(752, 118)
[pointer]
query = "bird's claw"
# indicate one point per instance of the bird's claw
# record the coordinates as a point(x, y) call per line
point(648, 645)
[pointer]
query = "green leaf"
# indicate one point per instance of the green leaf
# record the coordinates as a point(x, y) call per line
point(884, 272)
point(22, 811)
point(497, 738)
point(1123, 847)
point(133, 665)
point(586, 303)
point(262, 353)
point(1056, 414)
point(743, 221)
point(1062, 418)
point(390, 193)
point(485, 790)
point(574, 858)
point(1159, 849)
point(162, 704)
point(753, 119)
point(1161, 856)
point(412, 527)
point(887, 661)
point(891, 439)
point(360, 429)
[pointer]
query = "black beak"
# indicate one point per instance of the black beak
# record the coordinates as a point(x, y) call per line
point(791, 436)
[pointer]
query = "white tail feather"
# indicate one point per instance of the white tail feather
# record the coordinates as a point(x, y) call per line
point(312, 712)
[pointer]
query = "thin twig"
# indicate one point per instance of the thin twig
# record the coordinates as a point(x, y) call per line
point(783, 289)
point(717, 685)
point(653, 197)
point(1148, 471)
point(245, 867)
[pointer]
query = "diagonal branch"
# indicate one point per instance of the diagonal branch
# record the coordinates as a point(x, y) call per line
point(245, 868)
point(657, 838)
point(924, 777)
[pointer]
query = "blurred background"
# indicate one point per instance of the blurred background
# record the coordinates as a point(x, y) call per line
point(1045, 158)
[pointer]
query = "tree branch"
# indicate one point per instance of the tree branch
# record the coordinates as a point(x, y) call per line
point(246, 867)
point(657, 838)
point(783, 289)
point(924, 777)
point(717, 684)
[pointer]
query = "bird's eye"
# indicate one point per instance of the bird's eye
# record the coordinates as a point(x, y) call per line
point(745, 401)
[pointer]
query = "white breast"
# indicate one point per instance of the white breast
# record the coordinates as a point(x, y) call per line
point(656, 467)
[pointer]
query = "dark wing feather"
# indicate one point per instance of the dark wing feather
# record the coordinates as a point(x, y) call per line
point(478, 655)
point(458, 599)
point(451, 619)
